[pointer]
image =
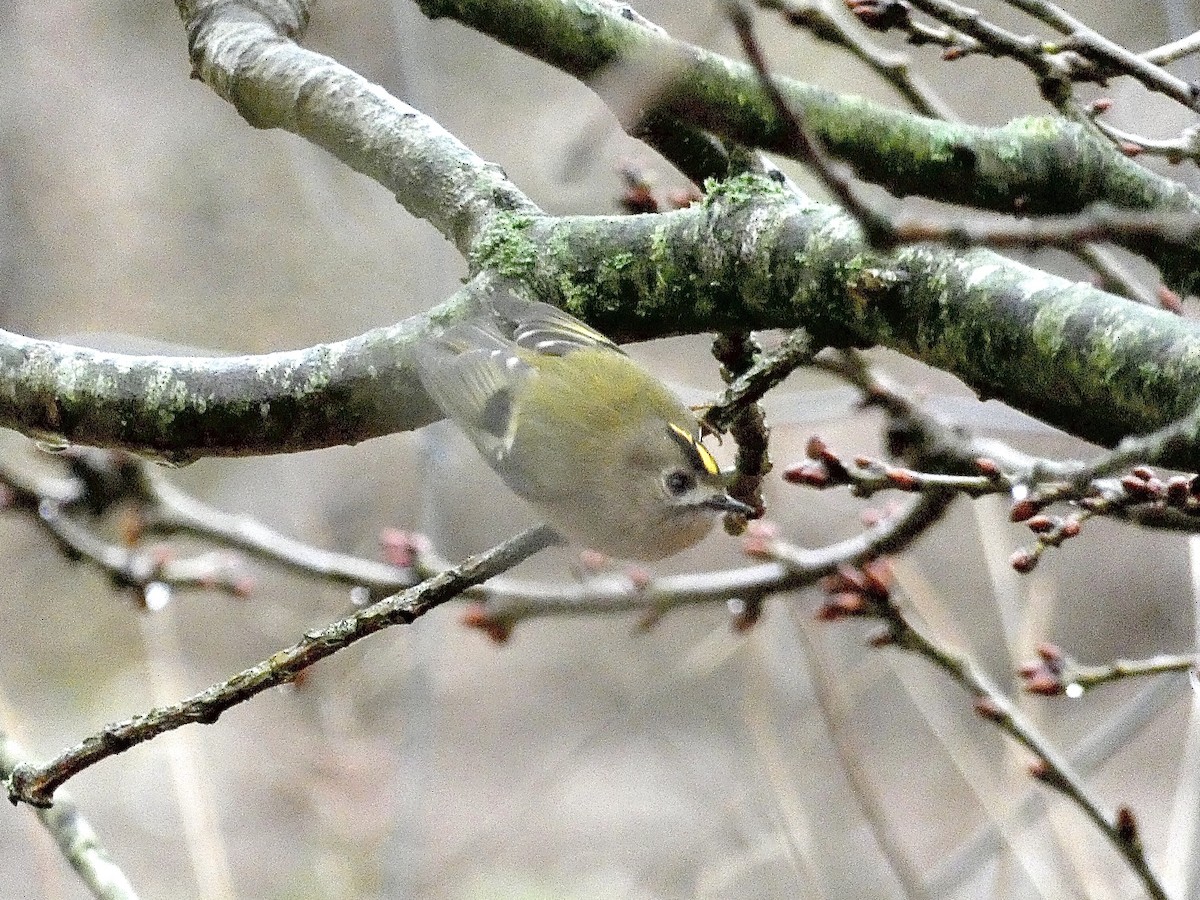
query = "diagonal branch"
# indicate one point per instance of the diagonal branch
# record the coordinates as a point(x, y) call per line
point(244, 51)
point(36, 784)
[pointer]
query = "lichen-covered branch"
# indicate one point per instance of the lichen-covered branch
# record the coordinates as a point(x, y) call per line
point(1032, 166)
point(753, 255)
point(178, 409)
point(245, 52)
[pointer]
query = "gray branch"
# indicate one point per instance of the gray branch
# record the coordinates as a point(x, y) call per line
point(73, 834)
point(751, 256)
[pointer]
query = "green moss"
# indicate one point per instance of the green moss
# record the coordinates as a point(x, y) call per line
point(505, 248)
point(744, 188)
point(578, 296)
point(559, 248)
point(619, 262)
point(660, 263)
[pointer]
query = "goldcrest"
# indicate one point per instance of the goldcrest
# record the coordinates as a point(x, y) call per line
point(606, 453)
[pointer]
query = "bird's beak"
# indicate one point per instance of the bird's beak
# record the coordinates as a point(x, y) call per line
point(727, 504)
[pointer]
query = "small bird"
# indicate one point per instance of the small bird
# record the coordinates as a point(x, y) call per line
point(607, 454)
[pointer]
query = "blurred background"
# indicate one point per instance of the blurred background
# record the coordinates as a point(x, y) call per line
point(587, 758)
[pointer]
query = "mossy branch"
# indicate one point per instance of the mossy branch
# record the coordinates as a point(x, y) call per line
point(752, 256)
point(1032, 166)
point(245, 52)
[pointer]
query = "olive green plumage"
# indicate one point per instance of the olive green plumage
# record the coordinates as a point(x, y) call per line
point(600, 447)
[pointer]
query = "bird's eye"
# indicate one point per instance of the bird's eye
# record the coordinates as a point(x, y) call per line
point(679, 482)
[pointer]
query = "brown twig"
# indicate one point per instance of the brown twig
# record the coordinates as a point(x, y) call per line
point(738, 352)
point(1054, 71)
point(512, 603)
point(1110, 55)
point(170, 510)
point(867, 592)
point(1097, 223)
point(800, 140)
point(1054, 672)
point(35, 784)
point(58, 504)
point(819, 20)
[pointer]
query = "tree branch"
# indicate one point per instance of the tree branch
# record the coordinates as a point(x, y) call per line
point(1033, 166)
point(36, 784)
point(73, 834)
point(752, 255)
point(244, 51)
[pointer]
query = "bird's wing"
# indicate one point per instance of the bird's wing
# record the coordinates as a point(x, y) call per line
point(542, 328)
point(476, 370)
point(473, 374)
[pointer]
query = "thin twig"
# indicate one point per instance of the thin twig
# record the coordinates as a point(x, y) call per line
point(1096, 223)
point(74, 835)
point(36, 784)
point(1054, 770)
point(1054, 73)
point(869, 593)
point(802, 567)
point(1176, 50)
point(56, 504)
point(738, 352)
point(1113, 276)
point(1056, 673)
point(752, 385)
point(1111, 55)
point(800, 140)
point(1108, 738)
point(821, 22)
point(172, 510)
point(141, 568)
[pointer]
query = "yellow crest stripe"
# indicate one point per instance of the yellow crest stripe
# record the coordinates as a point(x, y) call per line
point(707, 461)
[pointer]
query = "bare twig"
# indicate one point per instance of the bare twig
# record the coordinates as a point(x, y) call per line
point(738, 353)
point(1176, 50)
point(73, 834)
point(1054, 672)
point(1113, 276)
point(868, 593)
point(819, 19)
point(140, 568)
point(1109, 54)
point(1052, 768)
point(171, 510)
point(36, 784)
point(1097, 223)
point(513, 603)
point(876, 226)
point(53, 502)
point(1106, 740)
point(1186, 145)
point(1054, 70)
point(766, 372)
